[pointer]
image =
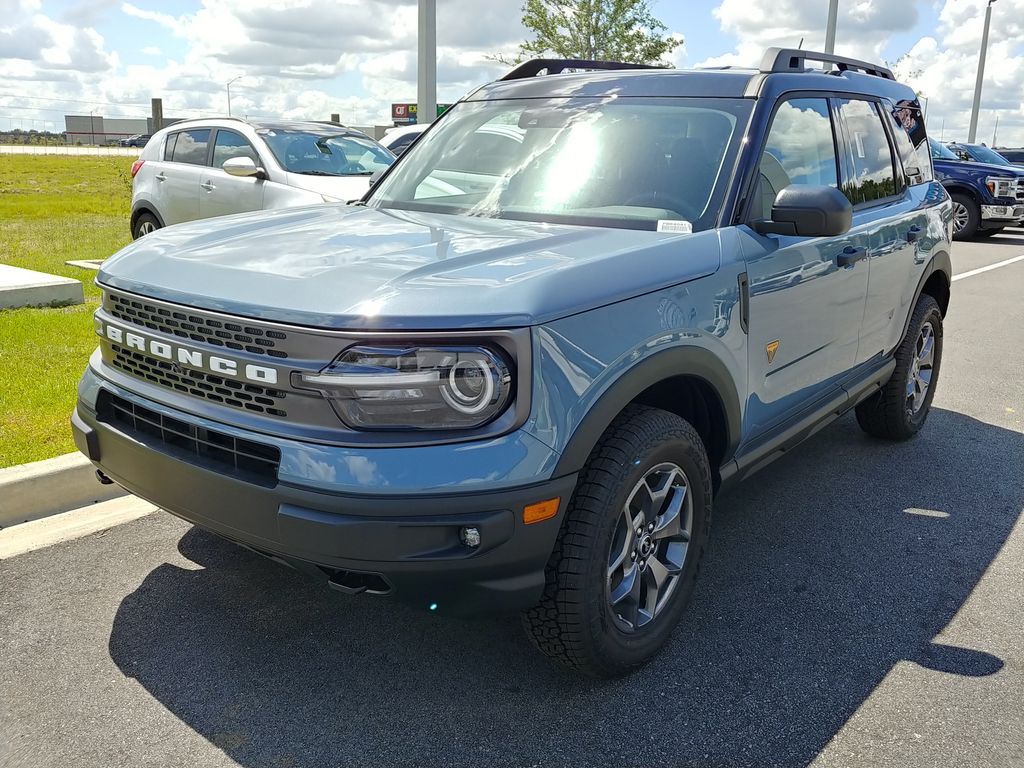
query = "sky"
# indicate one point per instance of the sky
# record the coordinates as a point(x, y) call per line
point(311, 58)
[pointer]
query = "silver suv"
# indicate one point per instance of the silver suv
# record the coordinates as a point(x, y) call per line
point(202, 168)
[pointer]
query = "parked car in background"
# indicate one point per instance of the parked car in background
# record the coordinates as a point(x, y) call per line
point(398, 139)
point(202, 168)
point(977, 153)
point(987, 198)
point(138, 140)
point(1015, 156)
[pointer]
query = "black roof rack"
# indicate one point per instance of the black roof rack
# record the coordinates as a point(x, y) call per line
point(794, 60)
point(534, 67)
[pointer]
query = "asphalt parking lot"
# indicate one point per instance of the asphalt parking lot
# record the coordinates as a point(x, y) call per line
point(862, 604)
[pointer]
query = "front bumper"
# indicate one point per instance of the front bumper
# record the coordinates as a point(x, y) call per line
point(404, 545)
point(1002, 214)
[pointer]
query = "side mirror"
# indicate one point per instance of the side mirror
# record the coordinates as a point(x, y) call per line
point(804, 210)
point(242, 166)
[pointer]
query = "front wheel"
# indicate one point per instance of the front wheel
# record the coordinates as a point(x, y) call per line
point(626, 559)
point(899, 409)
point(966, 217)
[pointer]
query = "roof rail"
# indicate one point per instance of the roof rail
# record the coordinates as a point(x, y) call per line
point(794, 60)
point(534, 67)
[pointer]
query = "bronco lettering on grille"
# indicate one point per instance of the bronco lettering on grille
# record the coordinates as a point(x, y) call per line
point(257, 374)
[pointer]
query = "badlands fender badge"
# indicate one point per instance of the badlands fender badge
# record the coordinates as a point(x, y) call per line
point(771, 348)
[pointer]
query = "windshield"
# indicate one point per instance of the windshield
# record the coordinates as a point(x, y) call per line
point(941, 151)
point(986, 155)
point(625, 162)
point(326, 154)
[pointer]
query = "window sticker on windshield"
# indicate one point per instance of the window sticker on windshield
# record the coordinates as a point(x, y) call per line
point(675, 227)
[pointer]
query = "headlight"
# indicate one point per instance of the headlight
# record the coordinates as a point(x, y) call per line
point(415, 387)
point(1001, 187)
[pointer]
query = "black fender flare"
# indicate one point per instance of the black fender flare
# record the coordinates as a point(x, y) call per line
point(696, 362)
point(141, 206)
point(940, 262)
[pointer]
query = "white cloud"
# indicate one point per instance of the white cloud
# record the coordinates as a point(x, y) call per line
point(942, 67)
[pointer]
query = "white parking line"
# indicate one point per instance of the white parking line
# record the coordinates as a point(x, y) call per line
point(979, 270)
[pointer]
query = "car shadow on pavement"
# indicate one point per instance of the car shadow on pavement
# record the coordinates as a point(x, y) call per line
point(824, 571)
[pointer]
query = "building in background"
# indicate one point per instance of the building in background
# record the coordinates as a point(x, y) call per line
point(100, 130)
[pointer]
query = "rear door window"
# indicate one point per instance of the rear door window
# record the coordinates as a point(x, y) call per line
point(870, 166)
point(169, 146)
point(191, 147)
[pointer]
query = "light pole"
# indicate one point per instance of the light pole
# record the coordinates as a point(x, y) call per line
point(426, 92)
point(830, 30)
point(973, 132)
point(92, 126)
point(228, 86)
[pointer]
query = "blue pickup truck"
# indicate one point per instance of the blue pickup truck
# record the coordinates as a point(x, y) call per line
point(987, 197)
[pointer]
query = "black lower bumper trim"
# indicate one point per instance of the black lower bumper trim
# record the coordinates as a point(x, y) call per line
point(406, 546)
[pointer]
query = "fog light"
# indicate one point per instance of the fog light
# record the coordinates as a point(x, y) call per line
point(470, 537)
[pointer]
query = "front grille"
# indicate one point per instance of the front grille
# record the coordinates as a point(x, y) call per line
point(251, 461)
point(217, 389)
point(195, 326)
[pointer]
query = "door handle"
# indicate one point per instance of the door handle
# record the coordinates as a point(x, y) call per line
point(914, 234)
point(851, 256)
point(160, 177)
point(208, 186)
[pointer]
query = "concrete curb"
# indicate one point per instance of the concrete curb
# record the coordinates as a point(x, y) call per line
point(44, 488)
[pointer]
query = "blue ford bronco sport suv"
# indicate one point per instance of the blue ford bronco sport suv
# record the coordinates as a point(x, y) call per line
point(515, 375)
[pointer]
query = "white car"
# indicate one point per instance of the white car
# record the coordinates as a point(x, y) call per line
point(202, 168)
point(397, 140)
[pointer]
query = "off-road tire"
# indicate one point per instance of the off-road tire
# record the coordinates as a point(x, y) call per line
point(573, 623)
point(885, 414)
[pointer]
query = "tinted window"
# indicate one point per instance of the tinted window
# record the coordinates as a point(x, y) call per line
point(1013, 155)
point(869, 156)
point(169, 146)
point(912, 165)
point(800, 150)
point(228, 145)
point(191, 147)
point(402, 143)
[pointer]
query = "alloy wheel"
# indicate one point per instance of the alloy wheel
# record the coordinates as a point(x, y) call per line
point(649, 546)
point(922, 367)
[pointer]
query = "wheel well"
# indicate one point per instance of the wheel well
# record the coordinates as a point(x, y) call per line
point(696, 401)
point(937, 286)
point(963, 191)
point(138, 212)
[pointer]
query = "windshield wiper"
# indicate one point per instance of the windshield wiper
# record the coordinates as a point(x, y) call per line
point(316, 173)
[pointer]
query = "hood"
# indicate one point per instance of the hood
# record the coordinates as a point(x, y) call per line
point(341, 188)
point(338, 266)
point(987, 169)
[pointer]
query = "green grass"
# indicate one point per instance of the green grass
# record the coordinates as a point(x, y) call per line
point(53, 209)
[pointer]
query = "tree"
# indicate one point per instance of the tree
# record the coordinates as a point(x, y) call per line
point(612, 30)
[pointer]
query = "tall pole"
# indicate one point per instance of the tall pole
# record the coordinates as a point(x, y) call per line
point(972, 134)
point(229, 91)
point(830, 31)
point(426, 92)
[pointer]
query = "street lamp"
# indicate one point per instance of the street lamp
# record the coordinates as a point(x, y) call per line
point(229, 91)
point(972, 134)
